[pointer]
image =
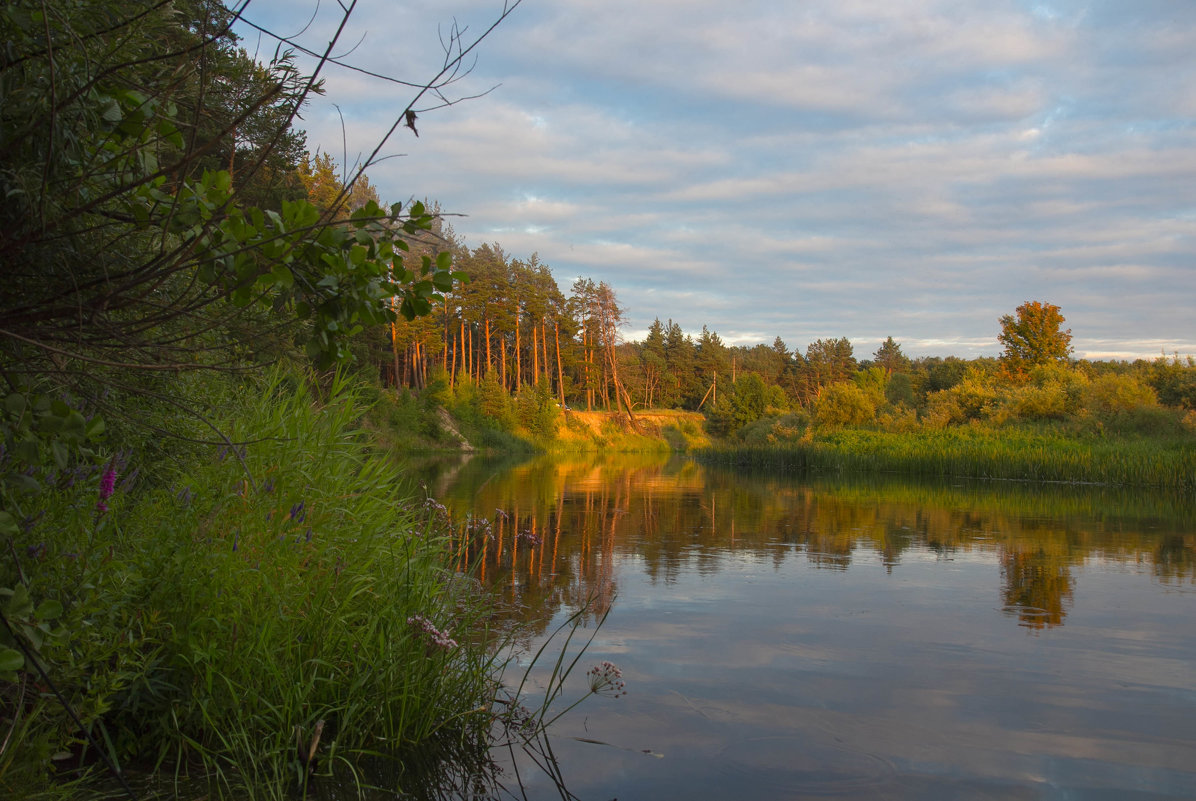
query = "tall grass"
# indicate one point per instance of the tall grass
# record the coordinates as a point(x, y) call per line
point(261, 593)
point(981, 453)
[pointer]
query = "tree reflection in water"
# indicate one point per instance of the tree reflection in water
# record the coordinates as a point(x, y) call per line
point(555, 528)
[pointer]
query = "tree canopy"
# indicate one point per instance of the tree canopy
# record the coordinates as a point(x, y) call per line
point(1033, 337)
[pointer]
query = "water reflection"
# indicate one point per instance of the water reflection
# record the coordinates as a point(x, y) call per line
point(549, 532)
point(787, 636)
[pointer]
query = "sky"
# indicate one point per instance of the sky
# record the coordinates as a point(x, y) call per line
point(807, 170)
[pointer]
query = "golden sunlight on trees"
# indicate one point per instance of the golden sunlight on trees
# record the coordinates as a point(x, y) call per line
point(1035, 337)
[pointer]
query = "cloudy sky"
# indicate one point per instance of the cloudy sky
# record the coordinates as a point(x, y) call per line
point(804, 168)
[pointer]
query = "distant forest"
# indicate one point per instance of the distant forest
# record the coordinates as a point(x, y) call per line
point(510, 326)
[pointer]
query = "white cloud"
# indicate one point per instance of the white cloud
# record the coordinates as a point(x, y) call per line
point(831, 168)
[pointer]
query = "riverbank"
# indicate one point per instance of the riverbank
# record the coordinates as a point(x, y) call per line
point(401, 421)
point(466, 420)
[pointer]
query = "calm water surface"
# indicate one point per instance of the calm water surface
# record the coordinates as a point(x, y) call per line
point(804, 637)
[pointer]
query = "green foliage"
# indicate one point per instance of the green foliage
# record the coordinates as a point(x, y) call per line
point(828, 361)
point(973, 399)
point(115, 213)
point(496, 404)
point(944, 374)
point(28, 627)
point(1175, 381)
point(874, 383)
point(889, 357)
point(843, 404)
point(748, 400)
point(265, 587)
point(538, 411)
point(1111, 396)
point(1150, 461)
point(900, 390)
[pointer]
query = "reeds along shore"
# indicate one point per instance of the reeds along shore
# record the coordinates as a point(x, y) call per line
point(997, 454)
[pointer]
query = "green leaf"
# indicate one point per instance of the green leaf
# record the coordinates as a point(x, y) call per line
point(444, 260)
point(75, 423)
point(61, 455)
point(8, 524)
point(19, 605)
point(11, 659)
point(282, 276)
point(48, 610)
point(15, 403)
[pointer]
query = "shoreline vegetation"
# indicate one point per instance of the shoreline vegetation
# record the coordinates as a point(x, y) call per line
point(1025, 456)
point(1149, 446)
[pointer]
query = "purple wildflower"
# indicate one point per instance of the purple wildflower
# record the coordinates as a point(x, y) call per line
point(107, 486)
point(436, 637)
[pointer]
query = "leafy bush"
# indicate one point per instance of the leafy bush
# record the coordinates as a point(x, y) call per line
point(1112, 395)
point(843, 404)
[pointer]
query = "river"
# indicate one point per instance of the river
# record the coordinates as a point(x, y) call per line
point(858, 638)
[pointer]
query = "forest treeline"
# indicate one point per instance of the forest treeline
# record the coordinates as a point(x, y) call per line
point(511, 328)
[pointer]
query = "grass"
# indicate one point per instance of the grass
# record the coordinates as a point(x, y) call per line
point(981, 453)
point(225, 607)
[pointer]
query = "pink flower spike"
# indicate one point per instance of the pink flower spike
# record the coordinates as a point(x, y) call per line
point(107, 487)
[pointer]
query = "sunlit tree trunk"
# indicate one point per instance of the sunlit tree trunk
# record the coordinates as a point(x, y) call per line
point(560, 373)
point(535, 353)
point(489, 362)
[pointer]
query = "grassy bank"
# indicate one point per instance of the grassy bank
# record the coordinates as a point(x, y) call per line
point(979, 453)
point(483, 418)
point(205, 619)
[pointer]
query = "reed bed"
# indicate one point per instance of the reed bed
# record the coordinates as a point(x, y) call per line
point(978, 453)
